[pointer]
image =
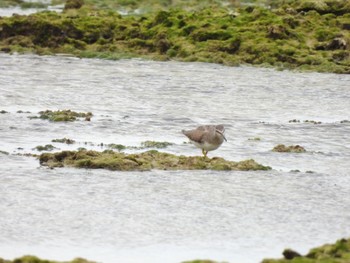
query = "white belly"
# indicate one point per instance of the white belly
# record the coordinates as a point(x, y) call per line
point(206, 146)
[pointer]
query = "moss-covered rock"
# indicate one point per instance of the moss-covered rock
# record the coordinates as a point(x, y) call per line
point(330, 253)
point(142, 161)
point(298, 35)
point(63, 115)
point(289, 149)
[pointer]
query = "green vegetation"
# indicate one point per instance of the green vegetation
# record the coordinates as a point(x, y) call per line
point(63, 115)
point(289, 149)
point(302, 34)
point(34, 259)
point(330, 253)
point(153, 159)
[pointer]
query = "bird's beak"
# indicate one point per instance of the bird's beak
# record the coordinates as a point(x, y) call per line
point(222, 134)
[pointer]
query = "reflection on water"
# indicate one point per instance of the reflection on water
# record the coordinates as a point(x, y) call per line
point(162, 216)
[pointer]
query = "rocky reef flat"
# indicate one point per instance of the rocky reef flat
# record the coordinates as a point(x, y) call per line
point(301, 35)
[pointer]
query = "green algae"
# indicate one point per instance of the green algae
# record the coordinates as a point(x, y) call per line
point(34, 259)
point(63, 115)
point(148, 160)
point(289, 149)
point(47, 147)
point(329, 253)
point(291, 36)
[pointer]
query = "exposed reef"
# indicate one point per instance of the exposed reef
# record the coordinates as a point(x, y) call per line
point(302, 35)
point(289, 149)
point(329, 253)
point(339, 252)
point(153, 159)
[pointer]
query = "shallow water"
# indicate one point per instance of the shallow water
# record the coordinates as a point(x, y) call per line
point(163, 216)
point(9, 11)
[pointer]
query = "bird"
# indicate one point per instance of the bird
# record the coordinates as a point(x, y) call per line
point(206, 137)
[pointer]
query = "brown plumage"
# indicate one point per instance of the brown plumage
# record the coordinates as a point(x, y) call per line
point(206, 137)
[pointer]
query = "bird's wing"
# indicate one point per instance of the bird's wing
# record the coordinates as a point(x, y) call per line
point(195, 135)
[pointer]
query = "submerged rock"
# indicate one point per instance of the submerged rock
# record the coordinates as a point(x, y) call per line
point(64, 140)
point(155, 144)
point(142, 161)
point(47, 147)
point(289, 149)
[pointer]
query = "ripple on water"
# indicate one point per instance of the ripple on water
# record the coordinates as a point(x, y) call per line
point(180, 215)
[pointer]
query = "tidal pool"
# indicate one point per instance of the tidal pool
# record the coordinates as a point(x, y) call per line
point(172, 216)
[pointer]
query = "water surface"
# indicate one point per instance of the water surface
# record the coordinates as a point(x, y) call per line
point(170, 216)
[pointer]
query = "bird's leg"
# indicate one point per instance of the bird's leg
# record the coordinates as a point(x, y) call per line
point(204, 153)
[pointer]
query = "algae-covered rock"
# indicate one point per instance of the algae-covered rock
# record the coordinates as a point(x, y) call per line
point(63, 115)
point(289, 149)
point(302, 34)
point(155, 144)
point(142, 161)
point(329, 253)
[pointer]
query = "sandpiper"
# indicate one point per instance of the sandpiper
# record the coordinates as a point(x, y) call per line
point(206, 137)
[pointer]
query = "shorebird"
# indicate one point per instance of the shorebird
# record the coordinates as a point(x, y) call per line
point(206, 137)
